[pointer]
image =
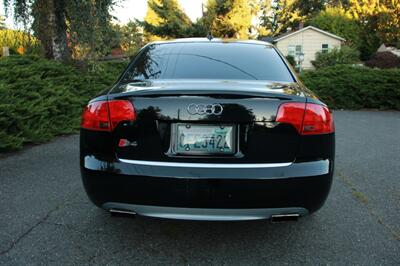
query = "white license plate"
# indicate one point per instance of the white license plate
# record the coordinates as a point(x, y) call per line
point(204, 139)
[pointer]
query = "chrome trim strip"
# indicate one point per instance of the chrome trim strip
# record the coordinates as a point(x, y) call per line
point(215, 171)
point(203, 214)
point(122, 211)
point(206, 165)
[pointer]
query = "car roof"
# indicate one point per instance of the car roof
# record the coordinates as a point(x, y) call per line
point(213, 40)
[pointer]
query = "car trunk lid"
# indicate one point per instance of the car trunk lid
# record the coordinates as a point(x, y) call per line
point(248, 107)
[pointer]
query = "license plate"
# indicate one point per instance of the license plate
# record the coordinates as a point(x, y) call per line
point(204, 139)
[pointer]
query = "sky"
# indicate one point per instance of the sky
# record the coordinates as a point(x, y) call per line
point(9, 21)
point(134, 9)
point(130, 9)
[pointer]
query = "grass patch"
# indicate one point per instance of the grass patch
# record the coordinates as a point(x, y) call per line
point(358, 195)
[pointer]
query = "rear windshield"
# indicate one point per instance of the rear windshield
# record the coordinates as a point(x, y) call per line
point(208, 61)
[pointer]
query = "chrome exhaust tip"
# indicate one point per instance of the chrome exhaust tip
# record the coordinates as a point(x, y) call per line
point(278, 218)
point(122, 213)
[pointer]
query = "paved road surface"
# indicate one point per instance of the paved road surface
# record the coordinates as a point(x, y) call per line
point(46, 218)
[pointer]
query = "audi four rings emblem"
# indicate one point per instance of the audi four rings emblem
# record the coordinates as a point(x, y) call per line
point(205, 109)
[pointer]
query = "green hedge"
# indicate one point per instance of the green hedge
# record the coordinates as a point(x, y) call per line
point(40, 98)
point(348, 87)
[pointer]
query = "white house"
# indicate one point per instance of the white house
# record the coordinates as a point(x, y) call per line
point(306, 41)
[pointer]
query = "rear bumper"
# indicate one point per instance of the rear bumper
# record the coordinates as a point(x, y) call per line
point(203, 214)
point(207, 192)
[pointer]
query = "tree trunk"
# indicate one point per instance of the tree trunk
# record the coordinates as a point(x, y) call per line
point(59, 38)
point(43, 26)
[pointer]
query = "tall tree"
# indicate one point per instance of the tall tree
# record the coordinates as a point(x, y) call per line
point(269, 17)
point(129, 37)
point(55, 22)
point(388, 25)
point(339, 21)
point(41, 25)
point(367, 23)
point(90, 31)
point(280, 15)
point(166, 19)
point(309, 8)
point(379, 20)
point(59, 27)
point(153, 19)
point(230, 18)
point(49, 14)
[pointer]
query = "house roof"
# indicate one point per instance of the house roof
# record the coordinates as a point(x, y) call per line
point(269, 39)
point(290, 33)
point(392, 49)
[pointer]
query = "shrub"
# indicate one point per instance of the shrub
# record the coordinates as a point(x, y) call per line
point(383, 60)
point(343, 55)
point(40, 98)
point(344, 86)
point(291, 60)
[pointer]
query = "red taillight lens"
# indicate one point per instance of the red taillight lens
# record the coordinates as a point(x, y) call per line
point(95, 117)
point(317, 120)
point(120, 110)
point(105, 115)
point(308, 119)
point(291, 113)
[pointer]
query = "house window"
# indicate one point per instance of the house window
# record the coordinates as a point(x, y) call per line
point(294, 50)
point(299, 49)
point(325, 48)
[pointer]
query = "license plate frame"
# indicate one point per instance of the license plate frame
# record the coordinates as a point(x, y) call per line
point(176, 134)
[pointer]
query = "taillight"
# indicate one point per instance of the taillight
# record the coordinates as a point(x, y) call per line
point(317, 120)
point(307, 118)
point(105, 115)
point(291, 113)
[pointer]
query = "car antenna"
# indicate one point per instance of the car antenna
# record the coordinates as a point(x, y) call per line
point(209, 36)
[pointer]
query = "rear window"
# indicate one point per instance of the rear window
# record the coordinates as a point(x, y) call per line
point(208, 61)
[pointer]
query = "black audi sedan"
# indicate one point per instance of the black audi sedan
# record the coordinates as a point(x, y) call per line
point(203, 129)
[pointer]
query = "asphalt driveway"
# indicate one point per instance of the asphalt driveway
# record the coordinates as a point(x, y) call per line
point(46, 218)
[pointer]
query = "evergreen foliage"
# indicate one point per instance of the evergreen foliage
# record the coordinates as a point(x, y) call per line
point(309, 8)
point(351, 87)
point(338, 21)
point(166, 19)
point(379, 21)
point(291, 60)
point(128, 37)
point(152, 19)
point(231, 18)
point(40, 98)
point(279, 15)
point(89, 28)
